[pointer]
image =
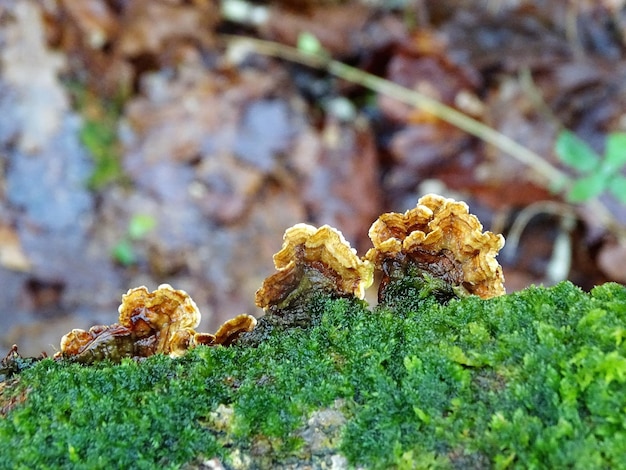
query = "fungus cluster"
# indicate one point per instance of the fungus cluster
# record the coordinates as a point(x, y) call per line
point(311, 261)
point(150, 323)
point(439, 237)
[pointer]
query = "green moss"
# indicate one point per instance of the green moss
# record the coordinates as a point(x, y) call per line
point(532, 379)
point(407, 286)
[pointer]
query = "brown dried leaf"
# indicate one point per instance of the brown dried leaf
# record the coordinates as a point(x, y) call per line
point(341, 186)
point(94, 18)
point(335, 26)
point(612, 259)
point(11, 254)
point(197, 113)
point(149, 26)
point(31, 70)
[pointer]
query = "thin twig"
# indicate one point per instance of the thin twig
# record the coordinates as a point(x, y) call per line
point(564, 211)
point(544, 174)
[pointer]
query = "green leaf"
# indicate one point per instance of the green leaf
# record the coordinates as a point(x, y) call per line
point(140, 225)
point(615, 154)
point(587, 188)
point(617, 186)
point(575, 153)
point(309, 44)
point(421, 414)
point(457, 355)
point(124, 253)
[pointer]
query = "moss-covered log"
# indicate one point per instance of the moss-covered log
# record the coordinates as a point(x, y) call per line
point(531, 379)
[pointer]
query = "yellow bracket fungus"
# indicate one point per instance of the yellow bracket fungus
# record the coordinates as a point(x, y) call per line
point(323, 259)
point(159, 322)
point(440, 237)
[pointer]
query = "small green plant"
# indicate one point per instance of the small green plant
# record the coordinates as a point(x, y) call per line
point(597, 173)
point(99, 133)
point(138, 227)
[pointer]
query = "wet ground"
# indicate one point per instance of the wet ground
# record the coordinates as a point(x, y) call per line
point(137, 147)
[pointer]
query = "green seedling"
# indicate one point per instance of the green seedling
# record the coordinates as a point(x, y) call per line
point(99, 133)
point(597, 174)
point(138, 227)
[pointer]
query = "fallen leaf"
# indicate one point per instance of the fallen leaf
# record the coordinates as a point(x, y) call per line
point(95, 20)
point(335, 26)
point(12, 255)
point(341, 187)
point(612, 259)
point(150, 26)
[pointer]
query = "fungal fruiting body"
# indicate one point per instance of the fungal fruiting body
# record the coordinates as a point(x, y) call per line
point(442, 239)
point(232, 329)
point(312, 262)
point(314, 259)
point(165, 314)
point(438, 239)
point(159, 322)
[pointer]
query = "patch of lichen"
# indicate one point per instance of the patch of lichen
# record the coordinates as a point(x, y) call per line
point(532, 379)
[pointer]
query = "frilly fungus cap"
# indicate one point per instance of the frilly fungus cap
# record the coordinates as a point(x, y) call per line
point(234, 328)
point(310, 251)
point(164, 311)
point(150, 323)
point(99, 342)
point(438, 237)
point(441, 237)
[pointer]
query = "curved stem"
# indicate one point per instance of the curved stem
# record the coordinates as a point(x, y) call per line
point(544, 174)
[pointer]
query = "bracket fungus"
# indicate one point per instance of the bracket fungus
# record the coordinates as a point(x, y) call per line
point(318, 259)
point(441, 238)
point(150, 323)
point(165, 313)
point(232, 329)
point(438, 239)
point(311, 261)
